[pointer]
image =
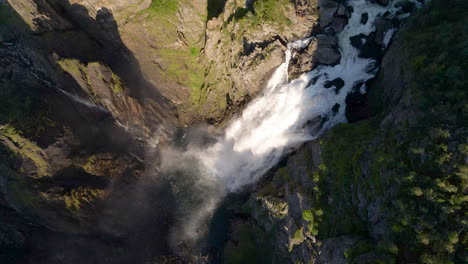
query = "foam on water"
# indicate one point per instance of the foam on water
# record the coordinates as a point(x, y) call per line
point(279, 120)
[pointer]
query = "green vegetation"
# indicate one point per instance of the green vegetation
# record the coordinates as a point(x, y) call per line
point(419, 169)
point(116, 83)
point(297, 239)
point(25, 148)
point(437, 44)
point(21, 192)
point(185, 67)
point(272, 11)
point(89, 164)
point(181, 64)
point(80, 196)
point(163, 8)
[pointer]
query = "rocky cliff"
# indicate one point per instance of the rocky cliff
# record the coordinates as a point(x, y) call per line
point(387, 189)
point(89, 90)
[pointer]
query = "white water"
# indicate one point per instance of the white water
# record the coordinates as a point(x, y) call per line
point(83, 101)
point(275, 123)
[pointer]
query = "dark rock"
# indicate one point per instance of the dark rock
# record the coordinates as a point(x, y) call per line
point(338, 83)
point(381, 2)
point(335, 108)
point(313, 81)
point(327, 50)
point(367, 46)
point(357, 106)
point(371, 49)
point(364, 18)
point(358, 41)
point(321, 50)
point(382, 26)
point(339, 23)
point(333, 250)
point(357, 86)
point(329, 10)
point(406, 6)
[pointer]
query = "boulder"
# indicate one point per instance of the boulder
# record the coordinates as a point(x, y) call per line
point(364, 18)
point(338, 83)
point(381, 2)
point(333, 14)
point(327, 50)
point(321, 50)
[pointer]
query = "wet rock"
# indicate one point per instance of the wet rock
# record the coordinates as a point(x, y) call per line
point(406, 6)
point(339, 24)
point(336, 108)
point(358, 41)
point(327, 50)
point(357, 106)
point(382, 26)
point(321, 50)
point(364, 18)
point(371, 49)
point(381, 2)
point(367, 46)
point(338, 83)
point(329, 10)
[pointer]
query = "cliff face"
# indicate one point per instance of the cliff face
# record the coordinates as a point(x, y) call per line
point(88, 89)
point(244, 45)
point(391, 188)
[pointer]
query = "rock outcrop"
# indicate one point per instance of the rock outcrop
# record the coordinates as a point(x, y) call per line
point(244, 44)
point(366, 192)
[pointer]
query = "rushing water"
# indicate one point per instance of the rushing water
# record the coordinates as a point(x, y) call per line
point(272, 125)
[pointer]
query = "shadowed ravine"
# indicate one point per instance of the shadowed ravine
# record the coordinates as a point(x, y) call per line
point(227, 131)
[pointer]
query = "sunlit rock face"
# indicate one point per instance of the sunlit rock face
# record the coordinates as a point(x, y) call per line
point(242, 52)
point(286, 114)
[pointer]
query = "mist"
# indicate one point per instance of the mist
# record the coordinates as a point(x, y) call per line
point(284, 116)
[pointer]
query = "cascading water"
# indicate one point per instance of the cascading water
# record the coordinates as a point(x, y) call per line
point(275, 123)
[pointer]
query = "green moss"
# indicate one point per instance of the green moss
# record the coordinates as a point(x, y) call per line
point(89, 164)
point(186, 68)
point(297, 239)
point(73, 66)
point(162, 8)
point(272, 10)
point(116, 85)
point(19, 188)
point(25, 148)
point(78, 197)
point(308, 216)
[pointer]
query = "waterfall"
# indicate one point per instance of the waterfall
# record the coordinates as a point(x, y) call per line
point(275, 123)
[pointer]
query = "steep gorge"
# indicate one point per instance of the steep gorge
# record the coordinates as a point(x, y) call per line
point(91, 90)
